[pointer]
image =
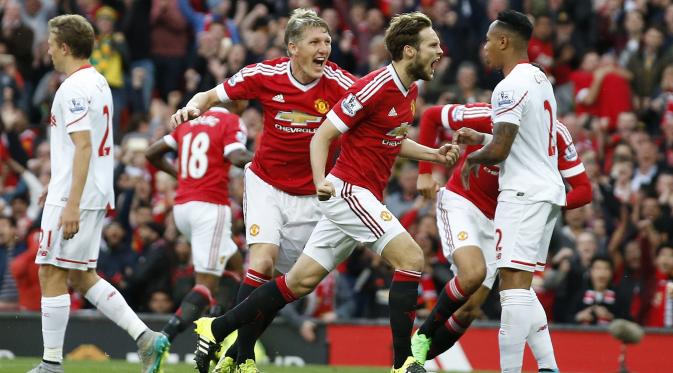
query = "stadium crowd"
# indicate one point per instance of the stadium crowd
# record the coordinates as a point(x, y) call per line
point(611, 62)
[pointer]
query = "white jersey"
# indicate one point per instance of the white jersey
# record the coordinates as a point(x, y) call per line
point(83, 102)
point(530, 173)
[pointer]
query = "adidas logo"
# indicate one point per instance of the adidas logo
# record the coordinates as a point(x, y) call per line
point(392, 113)
point(278, 98)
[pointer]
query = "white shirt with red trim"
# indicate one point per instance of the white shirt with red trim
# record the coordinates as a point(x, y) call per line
point(203, 145)
point(83, 102)
point(530, 173)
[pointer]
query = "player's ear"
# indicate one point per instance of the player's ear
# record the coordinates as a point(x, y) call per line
point(291, 49)
point(409, 51)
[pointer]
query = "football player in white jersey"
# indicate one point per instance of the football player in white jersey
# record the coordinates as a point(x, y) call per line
point(79, 193)
point(531, 188)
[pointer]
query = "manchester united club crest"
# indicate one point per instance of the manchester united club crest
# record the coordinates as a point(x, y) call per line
point(321, 105)
point(413, 108)
point(386, 216)
point(462, 235)
point(254, 230)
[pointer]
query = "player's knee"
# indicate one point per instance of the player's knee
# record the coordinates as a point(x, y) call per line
point(472, 277)
point(413, 261)
point(262, 264)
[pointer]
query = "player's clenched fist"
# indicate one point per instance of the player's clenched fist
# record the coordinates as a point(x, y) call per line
point(325, 190)
point(467, 136)
point(184, 114)
point(449, 154)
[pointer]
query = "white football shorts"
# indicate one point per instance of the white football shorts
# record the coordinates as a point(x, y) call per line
point(79, 252)
point(207, 226)
point(276, 217)
point(354, 216)
point(460, 224)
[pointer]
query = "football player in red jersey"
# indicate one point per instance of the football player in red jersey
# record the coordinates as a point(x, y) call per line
point(373, 117)
point(207, 146)
point(280, 208)
point(465, 216)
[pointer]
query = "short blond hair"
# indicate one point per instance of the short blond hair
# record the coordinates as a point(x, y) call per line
point(300, 20)
point(74, 31)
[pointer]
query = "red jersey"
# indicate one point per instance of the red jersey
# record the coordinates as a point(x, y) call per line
point(661, 306)
point(203, 145)
point(374, 117)
point(292, 113)
point(541, 52)
point(483, 192)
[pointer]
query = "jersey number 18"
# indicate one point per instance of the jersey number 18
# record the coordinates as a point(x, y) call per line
point(193, 158)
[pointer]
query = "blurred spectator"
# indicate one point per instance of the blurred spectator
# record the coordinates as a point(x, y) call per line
point(661, 304)
point(169, 37)
point(110, 56)
point(25, 270)
point(160, 302)
point(9, 249)
point(597, 303)
point(400, 201)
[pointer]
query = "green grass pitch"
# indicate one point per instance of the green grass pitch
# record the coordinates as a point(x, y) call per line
point(22, 365)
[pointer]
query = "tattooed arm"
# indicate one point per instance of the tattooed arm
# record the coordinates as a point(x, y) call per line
point(492, 153)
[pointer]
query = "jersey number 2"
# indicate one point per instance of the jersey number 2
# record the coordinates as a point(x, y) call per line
point(193, 158)
point(104, 150)
point(552, 144)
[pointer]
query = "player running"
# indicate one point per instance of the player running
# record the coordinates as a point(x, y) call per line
point(374, 117)
point(280, 206)
point(465, 219)
point(207, 146)
point(79, 193)
point(531, 189)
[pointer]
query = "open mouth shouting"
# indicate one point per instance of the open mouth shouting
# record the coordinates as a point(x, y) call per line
point(319, 62)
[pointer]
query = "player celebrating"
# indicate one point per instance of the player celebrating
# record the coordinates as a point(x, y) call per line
point(79, 192)
point(207, 146)
point(280, 208)
point(374, 117)
point(531, 189)
point(465, 219)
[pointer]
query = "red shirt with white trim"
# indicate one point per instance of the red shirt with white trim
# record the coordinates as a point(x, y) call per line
point(374, 117)
point(292, 113)
point(203, 145)
point(483, 192)
point(83, 102)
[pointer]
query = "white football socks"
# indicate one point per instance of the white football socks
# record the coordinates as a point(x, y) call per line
point(111, 304)
point(55, 313)
point(515, 324)
point(539, 339)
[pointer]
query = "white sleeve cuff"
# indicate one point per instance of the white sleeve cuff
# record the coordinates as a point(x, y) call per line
point(233, 147)
point(445, 116)
point(170, 141)
point(338, 123)
point(487, 138)
point(572, 171)
point(222, 93)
